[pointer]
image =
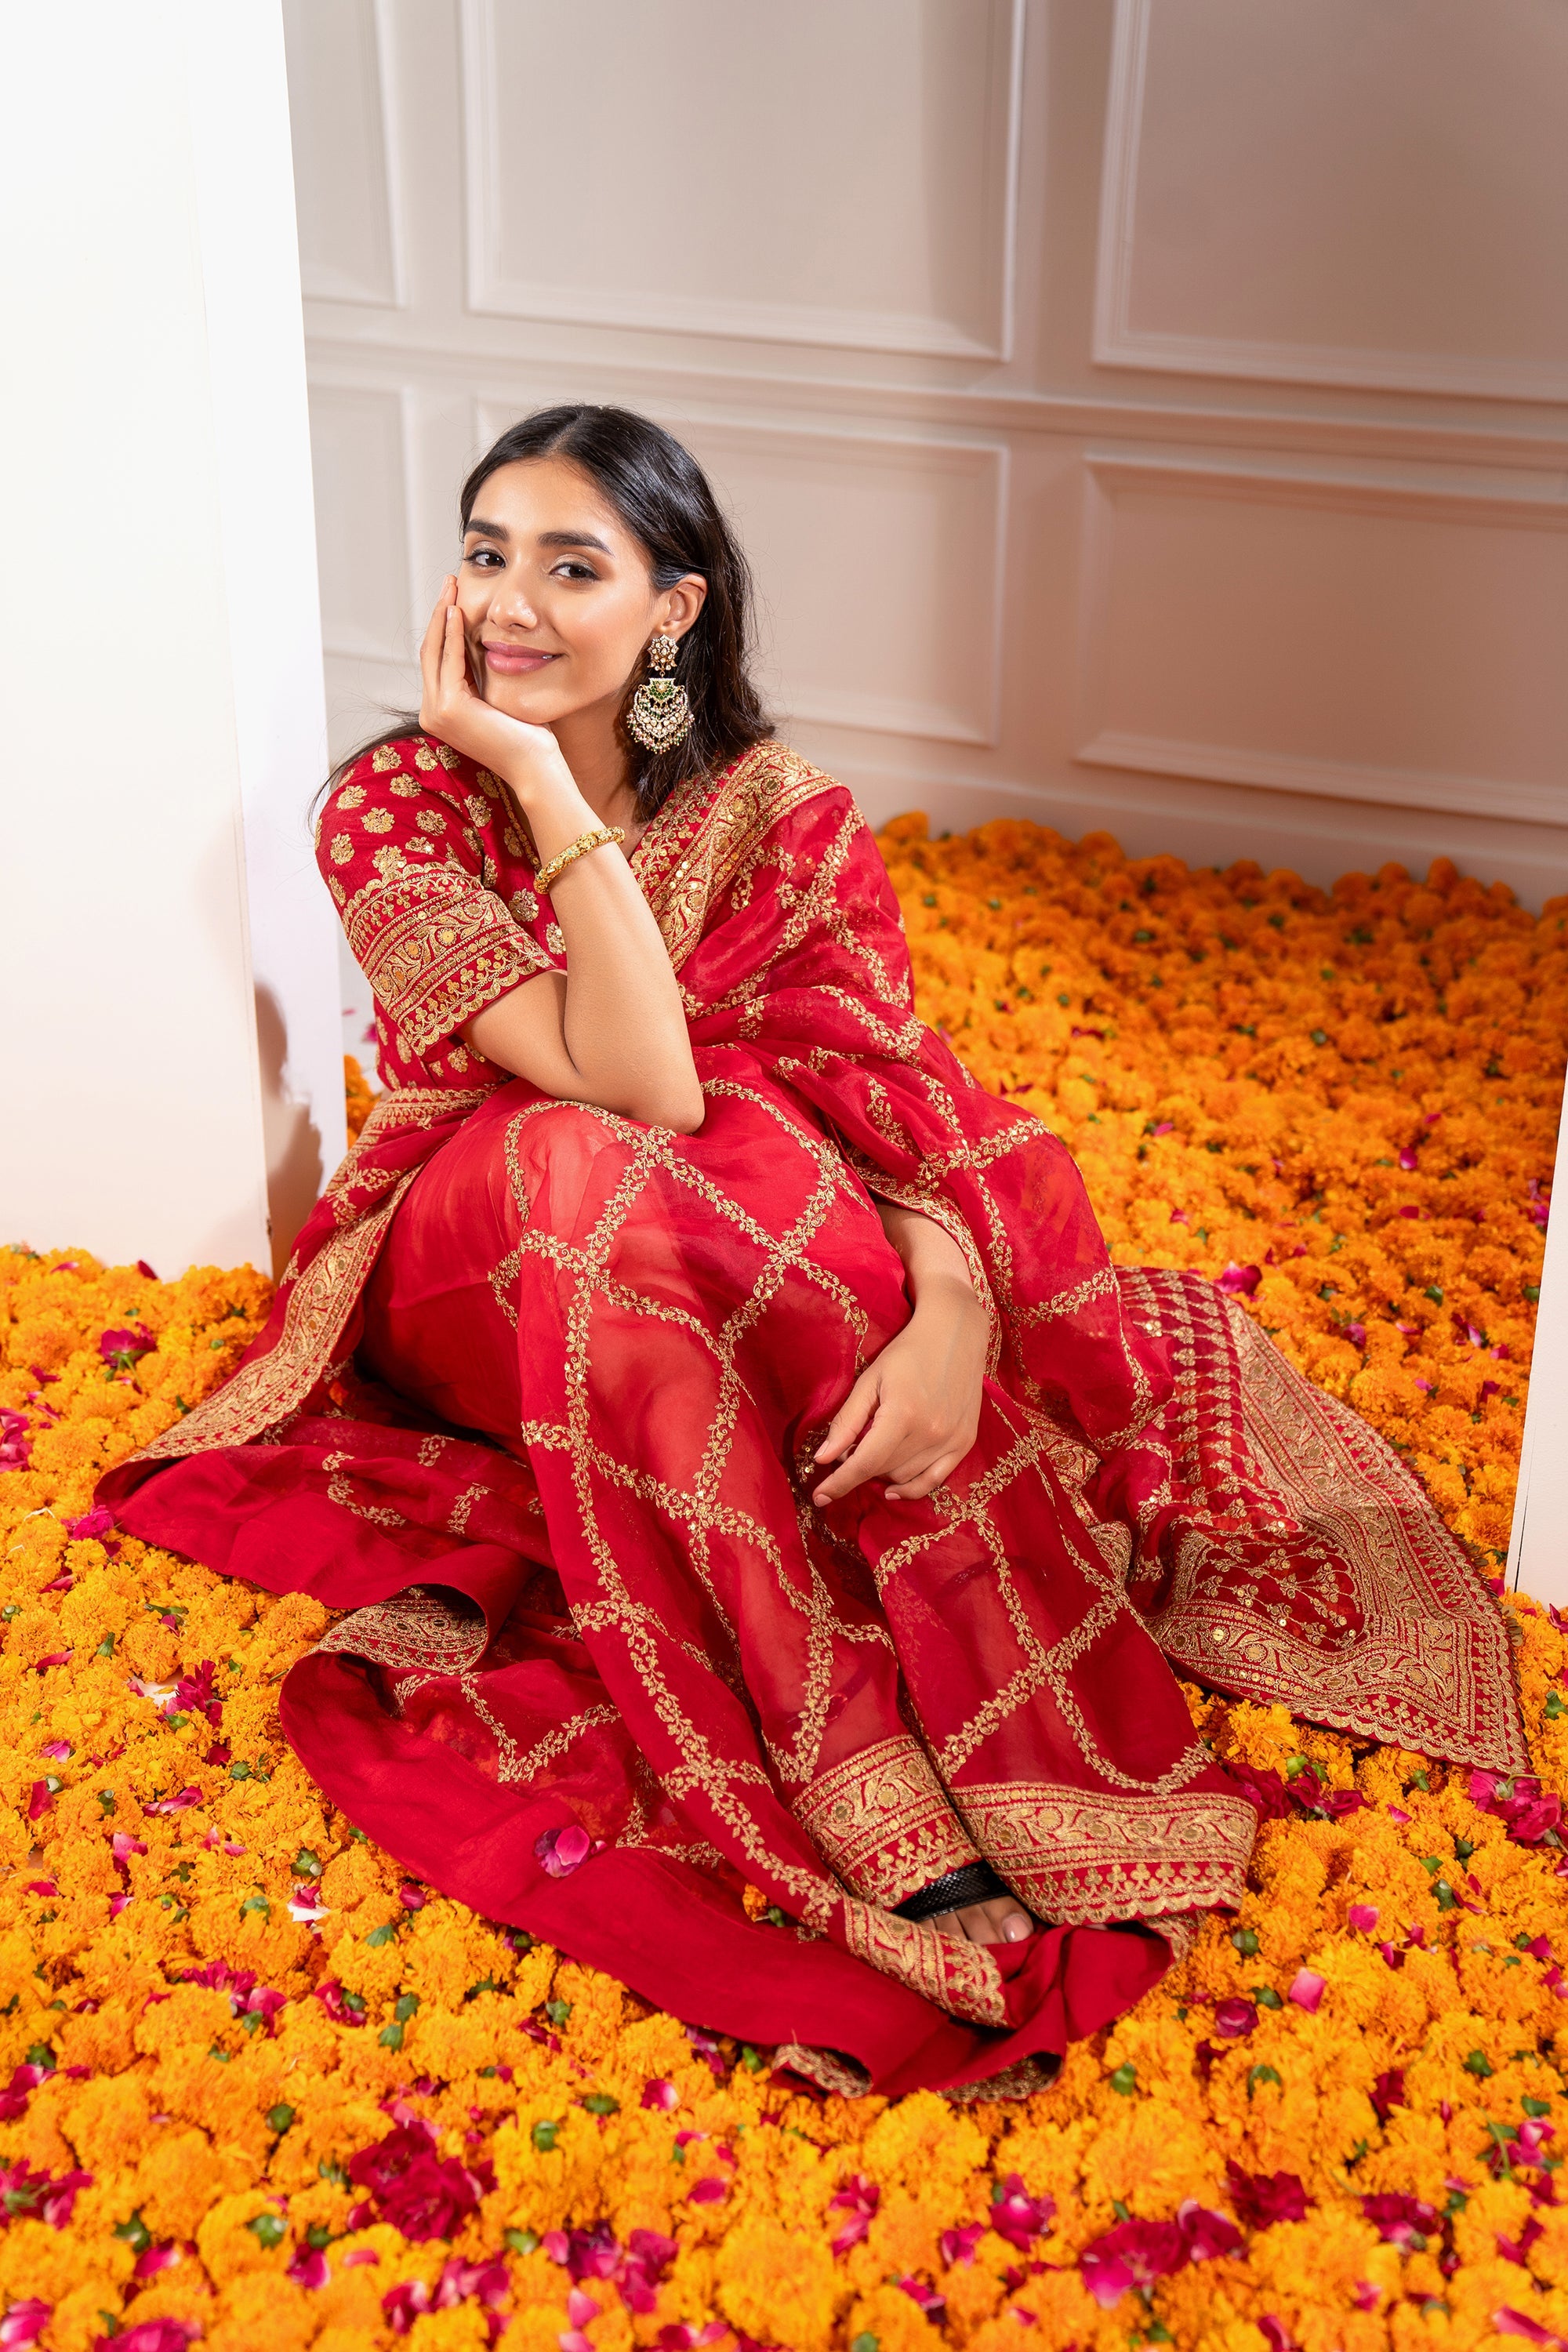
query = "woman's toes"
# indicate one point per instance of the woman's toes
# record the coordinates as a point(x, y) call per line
point(1004, 1921)
point(1007, 1922)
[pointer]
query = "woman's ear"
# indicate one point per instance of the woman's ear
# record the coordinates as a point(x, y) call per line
point(682, 603)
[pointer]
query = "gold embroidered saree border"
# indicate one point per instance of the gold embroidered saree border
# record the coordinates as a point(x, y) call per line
point(696, 843)
point(1433, 1668)
point(321, 1295)
point(963, 1978)
point(832, 2072)
point(416, 1631)
point(1082, 1857)
point(881, 1822)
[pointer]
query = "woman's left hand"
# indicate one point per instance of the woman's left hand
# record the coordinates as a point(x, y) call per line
point(914, 1412)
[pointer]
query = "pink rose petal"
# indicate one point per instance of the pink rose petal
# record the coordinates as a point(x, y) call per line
point(1306, 1990)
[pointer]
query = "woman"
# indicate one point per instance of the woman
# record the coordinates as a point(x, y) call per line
point(760, 1506)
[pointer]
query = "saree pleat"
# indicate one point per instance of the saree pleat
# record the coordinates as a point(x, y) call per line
point(537, 1409)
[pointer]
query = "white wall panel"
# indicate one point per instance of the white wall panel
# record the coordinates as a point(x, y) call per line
point(695, 166)
point(1357, 192)
point(342, 150)
point(879, 564)
point(360, 442)
point(1366, 640)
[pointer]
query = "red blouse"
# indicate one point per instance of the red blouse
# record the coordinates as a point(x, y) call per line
point(423, 854)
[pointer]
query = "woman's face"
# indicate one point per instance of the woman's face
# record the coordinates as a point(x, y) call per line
point(557, 603)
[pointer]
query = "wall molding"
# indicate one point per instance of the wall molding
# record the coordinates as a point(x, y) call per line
point(1222, 764)
point(1518, 799)
point(1276, 485)
point(320, 284)
point(1119, 343)
point(361, 348)
point(396, 399)
point(490, 291)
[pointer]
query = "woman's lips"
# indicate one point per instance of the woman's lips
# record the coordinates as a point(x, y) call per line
point(515, 660)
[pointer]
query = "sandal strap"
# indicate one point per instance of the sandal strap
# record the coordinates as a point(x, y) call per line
point(957, 1891)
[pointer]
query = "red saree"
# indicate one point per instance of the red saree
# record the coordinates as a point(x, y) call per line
point(535, 1407)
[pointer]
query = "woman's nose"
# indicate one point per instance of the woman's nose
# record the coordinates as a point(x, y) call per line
point(512, 604)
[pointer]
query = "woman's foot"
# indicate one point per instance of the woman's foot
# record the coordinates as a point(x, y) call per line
point(1001, 1921)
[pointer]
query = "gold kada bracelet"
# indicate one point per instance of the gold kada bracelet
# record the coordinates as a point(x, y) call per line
point(598, 838)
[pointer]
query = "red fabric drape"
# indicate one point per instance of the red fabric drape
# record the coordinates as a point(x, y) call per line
point(536, 1406)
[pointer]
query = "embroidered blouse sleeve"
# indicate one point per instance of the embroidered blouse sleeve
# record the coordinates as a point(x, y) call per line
point(402, 845)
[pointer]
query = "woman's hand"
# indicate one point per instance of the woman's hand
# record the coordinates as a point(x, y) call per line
point(915, 1410)
point(451, 711)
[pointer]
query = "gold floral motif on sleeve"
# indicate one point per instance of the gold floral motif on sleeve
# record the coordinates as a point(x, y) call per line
point(437, 948)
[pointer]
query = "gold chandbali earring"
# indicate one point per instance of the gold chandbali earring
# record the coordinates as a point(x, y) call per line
point(660, 715)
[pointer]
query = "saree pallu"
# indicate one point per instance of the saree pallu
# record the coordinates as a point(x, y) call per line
point(537, 1408)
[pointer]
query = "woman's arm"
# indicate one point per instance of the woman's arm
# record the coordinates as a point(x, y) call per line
point(610, 1029)
point(921, 1397)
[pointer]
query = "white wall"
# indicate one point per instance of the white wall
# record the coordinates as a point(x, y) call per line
point(162, 680)
point(1147, 416)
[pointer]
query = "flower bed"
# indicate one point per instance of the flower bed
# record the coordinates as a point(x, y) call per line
point(263, 2090)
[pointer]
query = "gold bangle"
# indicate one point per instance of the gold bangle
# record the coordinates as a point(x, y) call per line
point(599, 837)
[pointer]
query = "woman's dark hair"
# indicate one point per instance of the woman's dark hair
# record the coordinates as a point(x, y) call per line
point(665, 501)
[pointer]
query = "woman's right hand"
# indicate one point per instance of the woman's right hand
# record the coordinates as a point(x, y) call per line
point(449, 709)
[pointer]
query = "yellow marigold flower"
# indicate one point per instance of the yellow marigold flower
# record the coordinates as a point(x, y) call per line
point(776, 2287)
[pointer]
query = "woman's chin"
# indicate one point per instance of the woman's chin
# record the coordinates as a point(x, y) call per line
point(531, 699)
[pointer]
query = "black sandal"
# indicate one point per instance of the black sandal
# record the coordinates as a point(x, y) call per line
point(957, 1891)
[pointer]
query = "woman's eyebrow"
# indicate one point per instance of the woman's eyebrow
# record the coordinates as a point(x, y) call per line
point(572, 538)
point(477, 530)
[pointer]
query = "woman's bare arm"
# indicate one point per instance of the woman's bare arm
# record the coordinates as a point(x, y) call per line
point(610, 1030)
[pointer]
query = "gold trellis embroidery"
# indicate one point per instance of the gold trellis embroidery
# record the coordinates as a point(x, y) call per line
point(322, 1298)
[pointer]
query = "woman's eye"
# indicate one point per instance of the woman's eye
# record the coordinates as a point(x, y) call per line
point(573, 570)
point(482, 558)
